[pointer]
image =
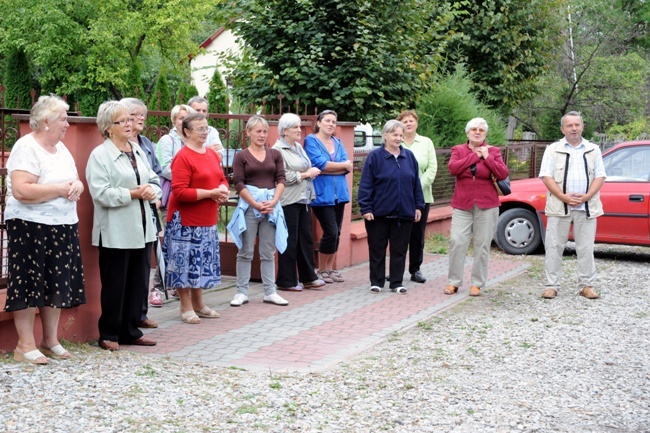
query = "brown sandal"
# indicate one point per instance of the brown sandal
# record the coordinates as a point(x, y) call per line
point(450, 290)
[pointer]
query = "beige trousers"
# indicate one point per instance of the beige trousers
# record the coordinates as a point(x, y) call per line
point(557, 235)
point(481, 224)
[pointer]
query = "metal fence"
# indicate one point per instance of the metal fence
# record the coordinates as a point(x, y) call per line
point(523, 158)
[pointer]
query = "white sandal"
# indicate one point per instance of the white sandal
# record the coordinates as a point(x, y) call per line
point(32, 357)
point(190, 318)
point(56, 352)
point(207, 312)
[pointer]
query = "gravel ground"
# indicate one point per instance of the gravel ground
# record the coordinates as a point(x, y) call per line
point(505, 362)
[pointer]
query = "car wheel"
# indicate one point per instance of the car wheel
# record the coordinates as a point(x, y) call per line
point(518, 232)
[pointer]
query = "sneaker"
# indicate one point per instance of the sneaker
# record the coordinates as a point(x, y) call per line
point(418, 277)
point(297, 288)
point(155, 299)
point(239, 300)
point(276, 300)
point(375, 289)
point(314, 284)
point(401, 290)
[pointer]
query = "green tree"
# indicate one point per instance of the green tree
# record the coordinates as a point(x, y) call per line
point(359, 57)
point(506, 45)
point(217, 98)
point(79, 47)
point(17, 80)
point(161, 96)
point(598, 71)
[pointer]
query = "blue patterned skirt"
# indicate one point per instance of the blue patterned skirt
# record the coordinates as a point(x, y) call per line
point(191, 255)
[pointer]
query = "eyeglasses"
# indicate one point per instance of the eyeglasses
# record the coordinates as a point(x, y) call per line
point(477, 129)
point(323, 113)
point(139, 115)
point(123, 122)
point(201, 129)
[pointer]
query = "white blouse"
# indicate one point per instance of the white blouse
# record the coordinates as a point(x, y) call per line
point(27, 155)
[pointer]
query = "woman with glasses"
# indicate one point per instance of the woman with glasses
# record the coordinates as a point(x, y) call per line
point(123, 186)
point(327, 153)
point(297, 262)
point(191, 243)
point(138, 112)
point(475, 204)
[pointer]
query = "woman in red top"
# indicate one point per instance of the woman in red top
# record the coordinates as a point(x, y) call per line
point(191, 242)
point(475, 205)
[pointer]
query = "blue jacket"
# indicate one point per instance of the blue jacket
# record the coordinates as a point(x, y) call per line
point(330, 188)
point(150, 150)
point(389, 186)
point(237, 224)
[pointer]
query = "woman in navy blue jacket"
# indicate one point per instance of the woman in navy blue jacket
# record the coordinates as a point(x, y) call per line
point(390, 198)
point(326, 152)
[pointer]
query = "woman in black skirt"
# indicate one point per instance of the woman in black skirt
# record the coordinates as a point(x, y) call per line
point(45, 269)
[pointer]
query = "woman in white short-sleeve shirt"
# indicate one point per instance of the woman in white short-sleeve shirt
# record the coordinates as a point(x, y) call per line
point(45, 270)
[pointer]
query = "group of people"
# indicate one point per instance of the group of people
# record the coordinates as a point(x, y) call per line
point(130, 180)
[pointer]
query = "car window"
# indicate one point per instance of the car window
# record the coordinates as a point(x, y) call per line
point(630, 164)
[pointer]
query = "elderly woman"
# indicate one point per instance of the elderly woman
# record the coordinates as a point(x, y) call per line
point(422, 148)
point(258, 175)
point(123, 186)
point(327, 153)
point(475, 204)
point(168, 147)
point(191, 237)
point(138, 112)
point(41, 214)
point(390, 199)
point(298, 194)
point(200, 105)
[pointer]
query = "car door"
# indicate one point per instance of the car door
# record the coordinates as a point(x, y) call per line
point(626, 196)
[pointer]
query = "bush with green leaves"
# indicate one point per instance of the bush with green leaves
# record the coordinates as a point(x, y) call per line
point(217, 98)
point(448, 105)
point(17, 80)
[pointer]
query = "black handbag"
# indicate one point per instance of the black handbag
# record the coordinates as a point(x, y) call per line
point(502, 186)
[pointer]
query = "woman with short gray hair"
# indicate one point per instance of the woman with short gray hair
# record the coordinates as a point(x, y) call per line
point(138, 112)
point(43, 188)
point(297, 262)
point(123, 187)
point(390, 198)
point(475, 205)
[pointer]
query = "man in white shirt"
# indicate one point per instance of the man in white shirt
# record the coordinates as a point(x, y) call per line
point(200, 104)
point(573, 172)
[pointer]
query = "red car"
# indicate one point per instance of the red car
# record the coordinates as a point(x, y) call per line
point(625, 196)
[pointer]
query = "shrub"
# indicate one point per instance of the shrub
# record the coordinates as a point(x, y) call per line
point(448, 105)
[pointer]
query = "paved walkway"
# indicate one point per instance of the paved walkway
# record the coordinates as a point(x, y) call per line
point(318, 329)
